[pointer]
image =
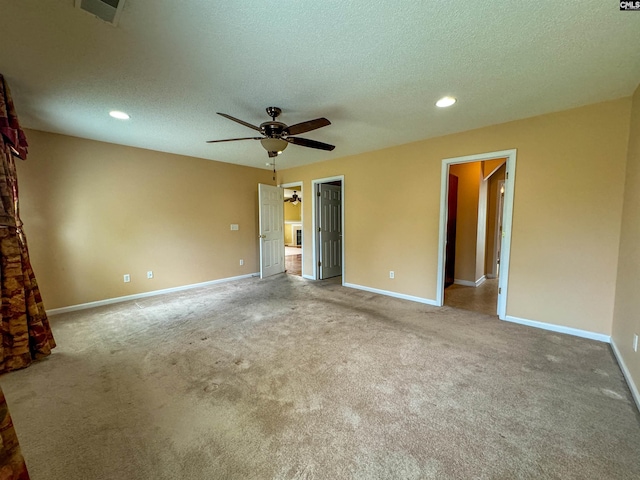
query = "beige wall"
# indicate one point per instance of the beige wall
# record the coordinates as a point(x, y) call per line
point(288, 236)
point(292, 213)
point(626, 320)
point(94, 211)
point(469, 177)
point(567, 212)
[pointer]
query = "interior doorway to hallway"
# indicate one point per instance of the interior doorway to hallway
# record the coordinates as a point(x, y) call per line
point(475, 231)
point(328, 228)
point(293, 228)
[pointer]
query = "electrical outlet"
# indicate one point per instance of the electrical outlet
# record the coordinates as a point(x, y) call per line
point(241, 262)
point(127, 278)
point(392, 274)
point(635, 342)
point(149, 274)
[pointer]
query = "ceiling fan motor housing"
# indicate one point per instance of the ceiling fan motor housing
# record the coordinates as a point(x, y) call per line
point(273, 129)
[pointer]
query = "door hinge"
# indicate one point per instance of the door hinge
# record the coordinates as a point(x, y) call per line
point(499, 291)
point(318, 193)
point(319, 229)
point(319, 264)
point(507, 175)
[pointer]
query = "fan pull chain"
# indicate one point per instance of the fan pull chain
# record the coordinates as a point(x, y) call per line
point(274, 169)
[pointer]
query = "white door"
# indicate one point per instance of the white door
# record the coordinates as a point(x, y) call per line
point(330, 230)
point(271, 212)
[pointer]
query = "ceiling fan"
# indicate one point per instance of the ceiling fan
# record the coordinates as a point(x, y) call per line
point(276, 136)
point(295, 199)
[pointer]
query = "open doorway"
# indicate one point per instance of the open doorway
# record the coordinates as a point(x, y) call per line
point(328, 228)
point(293, 229)
point(475, 231)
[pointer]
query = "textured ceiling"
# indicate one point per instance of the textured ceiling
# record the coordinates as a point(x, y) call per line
point(372, 67)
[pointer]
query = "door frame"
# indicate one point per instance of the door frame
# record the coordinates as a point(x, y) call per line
point(314, 222)
point(497, 228)
point(507, 217)
point(288, 186)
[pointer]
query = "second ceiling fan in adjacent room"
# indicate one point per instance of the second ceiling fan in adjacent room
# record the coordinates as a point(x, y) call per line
point(294, 199)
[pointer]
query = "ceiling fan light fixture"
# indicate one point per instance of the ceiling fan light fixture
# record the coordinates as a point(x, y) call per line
point(272, 144)
point(446, 102)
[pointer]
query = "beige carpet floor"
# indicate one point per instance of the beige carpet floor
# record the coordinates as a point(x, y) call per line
point(286, 378)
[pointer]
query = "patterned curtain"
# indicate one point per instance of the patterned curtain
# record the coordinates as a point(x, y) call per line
point(26, 334)
point(12, 466)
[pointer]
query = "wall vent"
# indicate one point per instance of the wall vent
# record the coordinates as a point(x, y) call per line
point(107, 10)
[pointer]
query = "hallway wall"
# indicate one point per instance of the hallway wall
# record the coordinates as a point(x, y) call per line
point(469, 179)
point(626, 318)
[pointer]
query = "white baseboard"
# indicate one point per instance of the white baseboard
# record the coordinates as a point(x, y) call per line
point(466, 283)
point(469, 283)
point(601, 337)
point(427, 301)
point(625, 371)
point(308, 277)
point(109, 301)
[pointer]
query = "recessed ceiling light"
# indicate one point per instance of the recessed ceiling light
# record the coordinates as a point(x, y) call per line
point(445, 102)
point(119, 115)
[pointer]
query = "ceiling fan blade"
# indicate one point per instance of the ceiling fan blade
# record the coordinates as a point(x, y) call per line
point(305, 142)
point(234, 139)
point(241, 122)
point(304, 127)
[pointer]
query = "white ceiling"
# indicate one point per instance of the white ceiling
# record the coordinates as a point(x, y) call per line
point(372, 67)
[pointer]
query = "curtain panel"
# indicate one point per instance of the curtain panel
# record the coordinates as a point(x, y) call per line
point(26, 333)
point(12, 466)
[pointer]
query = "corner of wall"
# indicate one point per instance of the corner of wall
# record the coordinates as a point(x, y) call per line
point(626, 317)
